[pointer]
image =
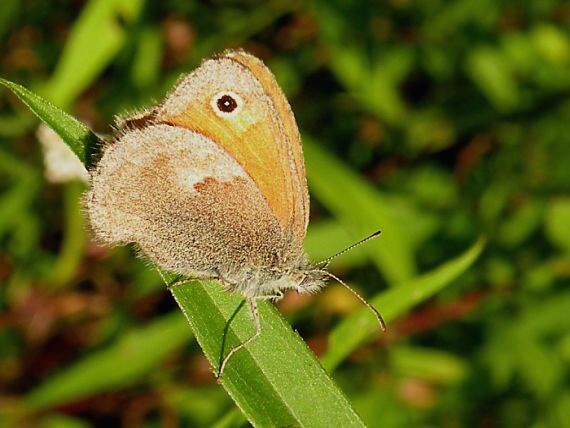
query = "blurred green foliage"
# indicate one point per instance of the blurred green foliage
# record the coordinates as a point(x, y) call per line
point(455, 112)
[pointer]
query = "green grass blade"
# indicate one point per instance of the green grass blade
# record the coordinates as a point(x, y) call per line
point(326, 237)
point(232, 419)
point(61, 420)
point(362, 210)
point(276, 380)
point(361, 325)
point(432, 365)
point(75, 134)
point(94, 40)
point(117, 366)
point(72, 248)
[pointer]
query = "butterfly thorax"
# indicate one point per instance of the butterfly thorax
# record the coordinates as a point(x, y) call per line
point(271, 282)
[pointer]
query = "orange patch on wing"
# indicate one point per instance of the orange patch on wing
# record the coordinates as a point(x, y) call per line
point(271, 87)
point(251, 142)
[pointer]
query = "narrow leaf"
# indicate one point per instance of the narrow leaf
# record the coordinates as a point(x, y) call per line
point(360, 207)
point(117, 366)
point(361, 325)
point(94, 40)
point(327, 237)
point(272, 377)
point(75, 134)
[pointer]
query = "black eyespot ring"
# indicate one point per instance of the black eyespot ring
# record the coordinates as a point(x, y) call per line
point(226, 103)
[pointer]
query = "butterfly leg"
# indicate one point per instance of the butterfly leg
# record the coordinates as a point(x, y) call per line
point(252, 303)
point(188, 280)
point(273, 297)
point(185, 280)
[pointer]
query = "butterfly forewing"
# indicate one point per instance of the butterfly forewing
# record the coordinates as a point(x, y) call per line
point(261, 136)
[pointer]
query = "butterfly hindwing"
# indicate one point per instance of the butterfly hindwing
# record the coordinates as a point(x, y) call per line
point(187, 204)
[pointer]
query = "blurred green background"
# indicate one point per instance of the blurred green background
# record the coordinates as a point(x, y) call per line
point(455, 113)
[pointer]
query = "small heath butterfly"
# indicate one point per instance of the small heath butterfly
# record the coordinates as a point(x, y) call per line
point(211, 183)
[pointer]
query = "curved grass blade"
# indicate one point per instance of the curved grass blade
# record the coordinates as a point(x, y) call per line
point(82, 60)
point(118, 366)
point(82, 141)
point(74, 239)
point(333, 184)
point(328, 236)
point(361, 325)
point(276, 380)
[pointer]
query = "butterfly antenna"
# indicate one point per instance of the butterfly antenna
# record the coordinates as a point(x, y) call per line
point(326, 261)
point(368, 305)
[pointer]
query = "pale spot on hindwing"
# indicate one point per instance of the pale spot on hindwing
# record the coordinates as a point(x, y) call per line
point(207, 161)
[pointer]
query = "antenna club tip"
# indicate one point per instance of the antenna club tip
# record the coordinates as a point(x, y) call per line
point(380, 320)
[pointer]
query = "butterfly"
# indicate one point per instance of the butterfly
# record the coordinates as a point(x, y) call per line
point(210, 183)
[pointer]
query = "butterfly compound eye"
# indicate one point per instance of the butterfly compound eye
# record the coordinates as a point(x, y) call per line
point(226, 104)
